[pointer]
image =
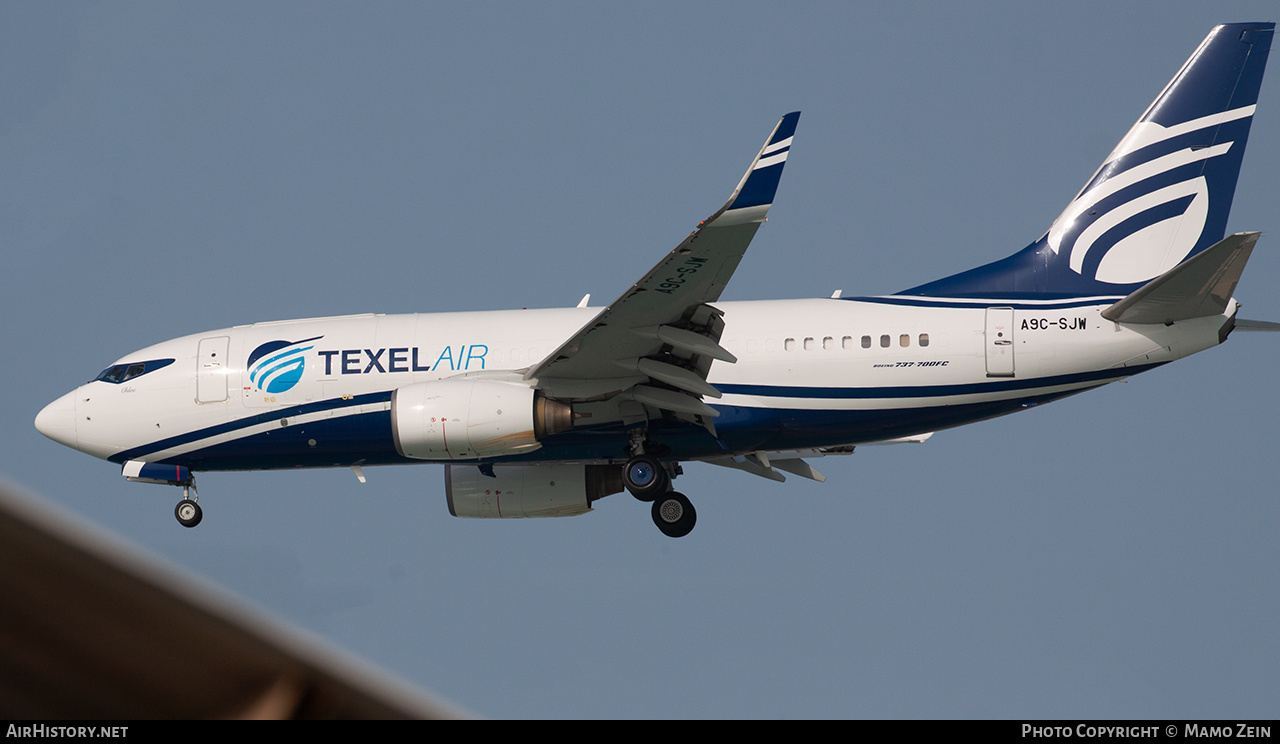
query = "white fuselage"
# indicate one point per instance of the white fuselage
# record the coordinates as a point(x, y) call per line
point(810, 373)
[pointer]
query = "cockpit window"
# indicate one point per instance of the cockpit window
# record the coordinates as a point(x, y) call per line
point(123, 372)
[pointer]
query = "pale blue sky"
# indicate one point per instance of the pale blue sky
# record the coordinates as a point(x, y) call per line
point(169, 168)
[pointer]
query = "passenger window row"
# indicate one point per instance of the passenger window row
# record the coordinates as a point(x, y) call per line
point(810, 343)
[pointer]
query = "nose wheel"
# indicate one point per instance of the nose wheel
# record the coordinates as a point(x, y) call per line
point(188, 513)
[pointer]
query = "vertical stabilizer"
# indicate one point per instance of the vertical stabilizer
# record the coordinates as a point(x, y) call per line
point(1161, 196)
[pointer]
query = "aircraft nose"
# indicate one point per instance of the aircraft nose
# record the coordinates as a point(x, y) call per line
point(58, 420)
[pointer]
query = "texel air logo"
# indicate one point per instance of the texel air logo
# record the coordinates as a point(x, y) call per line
point(276, 366)
point(1147, 208)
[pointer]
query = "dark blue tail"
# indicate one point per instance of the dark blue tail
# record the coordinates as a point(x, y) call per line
point(1161, 196)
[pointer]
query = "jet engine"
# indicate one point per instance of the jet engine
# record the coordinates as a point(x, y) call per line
point(515, 491)
point(467, 418)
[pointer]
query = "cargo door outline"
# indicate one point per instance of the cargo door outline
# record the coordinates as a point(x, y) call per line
point(999, 342)
point(211, 370)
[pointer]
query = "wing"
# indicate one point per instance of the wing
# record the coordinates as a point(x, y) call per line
point(657, 341)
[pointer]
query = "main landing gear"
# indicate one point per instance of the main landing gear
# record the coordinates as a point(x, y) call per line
point(647, 480)
point(673, 514)
point(645, 477)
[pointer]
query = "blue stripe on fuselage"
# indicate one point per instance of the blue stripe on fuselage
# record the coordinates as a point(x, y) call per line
point(932, 391)
point(140, 453)
point(365, 438)
point(343, 440)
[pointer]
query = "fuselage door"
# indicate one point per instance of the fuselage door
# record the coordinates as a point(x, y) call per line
point(211, 370)
point(999, 341)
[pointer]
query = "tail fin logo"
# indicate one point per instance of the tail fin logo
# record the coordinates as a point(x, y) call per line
point(1162, 195)
point(276, 366)
point(1147, 207)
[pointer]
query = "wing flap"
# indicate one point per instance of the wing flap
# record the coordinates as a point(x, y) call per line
point(689, 342)
point(749, 465)
point(760, 465)
point(801, 468)
point(670, 400)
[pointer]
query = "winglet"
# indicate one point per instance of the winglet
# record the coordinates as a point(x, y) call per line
point(752, 198)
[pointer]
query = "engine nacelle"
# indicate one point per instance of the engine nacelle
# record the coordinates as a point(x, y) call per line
point(517, 491)
point(467, 418)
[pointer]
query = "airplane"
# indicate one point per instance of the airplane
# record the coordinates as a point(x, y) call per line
point(541, 413)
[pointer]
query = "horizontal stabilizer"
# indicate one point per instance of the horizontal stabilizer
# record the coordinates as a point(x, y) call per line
point(1198, 287)
point(1256, 325)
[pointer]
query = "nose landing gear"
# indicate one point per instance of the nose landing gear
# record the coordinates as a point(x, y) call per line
point(188, 511)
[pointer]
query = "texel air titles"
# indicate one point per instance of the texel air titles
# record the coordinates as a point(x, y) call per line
point(541, 413)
